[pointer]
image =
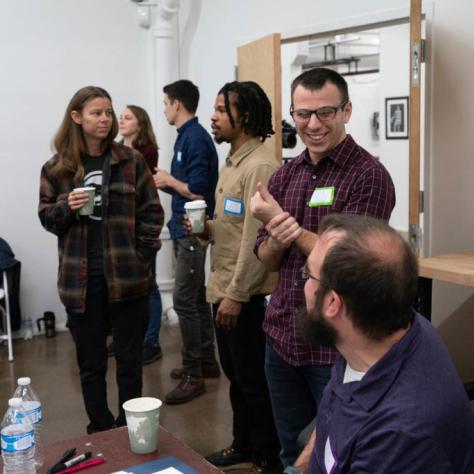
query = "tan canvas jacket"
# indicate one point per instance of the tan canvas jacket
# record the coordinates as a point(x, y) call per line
point(236, 272)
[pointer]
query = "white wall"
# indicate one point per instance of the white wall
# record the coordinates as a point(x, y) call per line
point(394, 68)
point(364, 92)
point(451, 173)
point(49, 49)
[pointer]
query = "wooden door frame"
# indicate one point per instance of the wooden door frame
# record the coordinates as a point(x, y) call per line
point(380, 19)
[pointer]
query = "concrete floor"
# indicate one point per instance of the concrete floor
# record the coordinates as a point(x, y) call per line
point(205, 423)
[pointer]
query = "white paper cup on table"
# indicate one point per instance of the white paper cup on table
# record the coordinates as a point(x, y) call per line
point(196, 212)
point(143, 420)
point(88, 207)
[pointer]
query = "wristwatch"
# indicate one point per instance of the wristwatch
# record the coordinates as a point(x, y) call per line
point(292, 470)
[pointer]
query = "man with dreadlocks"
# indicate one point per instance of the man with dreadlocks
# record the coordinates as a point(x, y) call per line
point(238, 282)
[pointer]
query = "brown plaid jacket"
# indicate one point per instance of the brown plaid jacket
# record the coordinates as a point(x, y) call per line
point(132, 221)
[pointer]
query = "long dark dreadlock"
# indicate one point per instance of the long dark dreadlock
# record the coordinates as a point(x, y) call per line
point(253, 107)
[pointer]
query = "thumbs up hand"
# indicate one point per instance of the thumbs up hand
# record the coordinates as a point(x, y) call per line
point(263, 206)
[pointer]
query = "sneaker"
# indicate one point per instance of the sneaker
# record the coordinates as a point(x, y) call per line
point(151, 353)
point(228, 457)
point(210, 370)
point(189, 388)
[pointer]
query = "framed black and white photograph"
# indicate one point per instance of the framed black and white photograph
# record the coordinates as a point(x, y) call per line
point(396, 117)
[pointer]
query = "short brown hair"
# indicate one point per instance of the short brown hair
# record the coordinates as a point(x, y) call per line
point(374, 271)
point(315, 79)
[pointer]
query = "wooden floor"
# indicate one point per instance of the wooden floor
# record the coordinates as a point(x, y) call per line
point(205, 423)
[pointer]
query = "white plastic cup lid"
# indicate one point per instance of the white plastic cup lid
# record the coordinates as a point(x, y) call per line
point(14, 402)
point(199, 204)
point(85, 189)
point(24, 381)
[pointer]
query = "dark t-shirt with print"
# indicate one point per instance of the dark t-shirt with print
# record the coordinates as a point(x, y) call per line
point(93, 166)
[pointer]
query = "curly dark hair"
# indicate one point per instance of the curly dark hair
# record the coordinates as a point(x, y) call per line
point(253, 107)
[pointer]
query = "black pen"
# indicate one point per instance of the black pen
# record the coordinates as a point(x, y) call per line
point(72, 461)
point(68, 454)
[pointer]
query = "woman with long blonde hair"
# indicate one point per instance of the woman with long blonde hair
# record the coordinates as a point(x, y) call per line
point(104, 257)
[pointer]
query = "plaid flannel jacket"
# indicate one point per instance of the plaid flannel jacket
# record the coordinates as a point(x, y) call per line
point(132, 221)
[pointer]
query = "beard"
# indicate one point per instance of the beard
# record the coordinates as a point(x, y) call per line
point(219, 139)
point(316, 329)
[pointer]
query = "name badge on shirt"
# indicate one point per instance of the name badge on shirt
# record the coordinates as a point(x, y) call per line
point(179, 156)
point(322, 197)
point(233, 206)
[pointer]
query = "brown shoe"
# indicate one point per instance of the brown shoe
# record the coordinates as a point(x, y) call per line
point(190, 387)
point(210, 370)
point(177, 373)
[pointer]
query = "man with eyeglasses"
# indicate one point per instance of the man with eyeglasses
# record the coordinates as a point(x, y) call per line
point(332, 175)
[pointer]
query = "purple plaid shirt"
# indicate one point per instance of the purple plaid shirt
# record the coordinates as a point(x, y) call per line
point(362, 186)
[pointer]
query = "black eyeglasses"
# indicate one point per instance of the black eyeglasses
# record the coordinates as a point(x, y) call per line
point(306, 275)
point(323, 113)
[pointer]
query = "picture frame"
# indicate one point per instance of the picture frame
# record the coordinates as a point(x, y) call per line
point(396, 118)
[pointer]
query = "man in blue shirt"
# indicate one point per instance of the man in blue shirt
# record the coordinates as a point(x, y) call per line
point(394, 402)
point(194, 172)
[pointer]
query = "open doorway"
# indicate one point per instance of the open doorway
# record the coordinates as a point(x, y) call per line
point(375, 62)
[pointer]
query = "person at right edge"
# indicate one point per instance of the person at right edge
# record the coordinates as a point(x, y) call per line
point(238, 282)
point(332, 175)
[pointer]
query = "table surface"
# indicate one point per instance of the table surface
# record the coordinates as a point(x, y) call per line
point(451, 268)
point(115, 448)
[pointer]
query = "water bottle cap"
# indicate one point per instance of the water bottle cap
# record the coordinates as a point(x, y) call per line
point(24, 381)
point(14, 402)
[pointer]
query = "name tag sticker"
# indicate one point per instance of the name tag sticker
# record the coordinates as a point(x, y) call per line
point(179, 156)
point(233, 206)
point(322, 197)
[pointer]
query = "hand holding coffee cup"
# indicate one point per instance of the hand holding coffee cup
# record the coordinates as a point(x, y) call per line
point(196, 214)
point(188, 228)
point(82, 200)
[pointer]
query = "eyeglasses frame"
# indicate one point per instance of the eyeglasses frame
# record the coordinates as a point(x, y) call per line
point(315, 111)
point(306, 275)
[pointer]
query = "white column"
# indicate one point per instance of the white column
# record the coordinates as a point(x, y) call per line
point(162, 16)
point(166, 68)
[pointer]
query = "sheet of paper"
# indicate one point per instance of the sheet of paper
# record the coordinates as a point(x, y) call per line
point(169, 470)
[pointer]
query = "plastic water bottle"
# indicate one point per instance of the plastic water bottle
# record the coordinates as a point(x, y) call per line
point(27, 327)
point(32, 410)
point(18, 441)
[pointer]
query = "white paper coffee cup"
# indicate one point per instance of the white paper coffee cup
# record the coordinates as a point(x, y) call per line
point(88, 208)
point(143, 421)
point(196, 212)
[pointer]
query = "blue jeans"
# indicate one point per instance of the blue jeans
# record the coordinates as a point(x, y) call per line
point(155, 306)
point(295, 393)
point(154, 322)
